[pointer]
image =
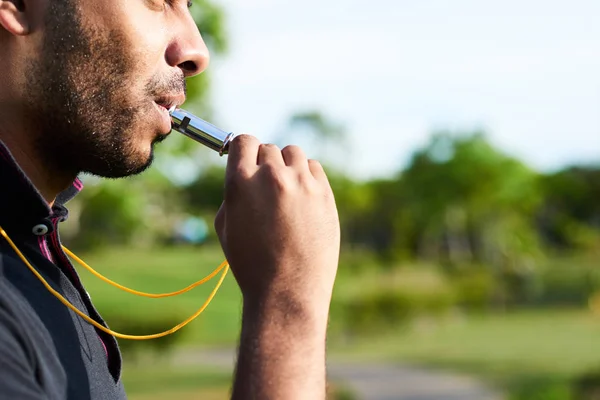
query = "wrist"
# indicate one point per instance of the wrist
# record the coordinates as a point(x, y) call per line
point(282, 348)
point(287, 308)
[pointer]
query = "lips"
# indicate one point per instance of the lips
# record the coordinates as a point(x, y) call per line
point(164, 117)
point(165, 103)
point(170, 101)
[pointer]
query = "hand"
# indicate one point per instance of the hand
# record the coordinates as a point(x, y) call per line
point(278, 225)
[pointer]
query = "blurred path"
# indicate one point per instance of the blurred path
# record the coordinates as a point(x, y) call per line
point(372, 381)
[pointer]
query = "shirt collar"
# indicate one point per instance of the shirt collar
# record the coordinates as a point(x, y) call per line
point(22, 207)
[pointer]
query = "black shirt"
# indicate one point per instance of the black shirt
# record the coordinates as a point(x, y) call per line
point(46, 350)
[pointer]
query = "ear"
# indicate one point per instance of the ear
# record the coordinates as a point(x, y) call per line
point(13, 17)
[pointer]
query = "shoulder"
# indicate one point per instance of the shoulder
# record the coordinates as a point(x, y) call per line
point(16, 309)
point(29, 365)
point(8, 258)
point(17, 318)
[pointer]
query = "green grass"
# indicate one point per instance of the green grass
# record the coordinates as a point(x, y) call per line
point(143, 382)
point(166, 270)
point(533, 355)
point(159, 382)
point(154, 379)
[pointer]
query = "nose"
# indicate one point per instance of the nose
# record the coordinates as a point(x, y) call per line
point(187, 50)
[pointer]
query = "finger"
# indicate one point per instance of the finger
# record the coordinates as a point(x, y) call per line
point(294, 156)
point(243, 151)
point(317, 170)
point(270, 154)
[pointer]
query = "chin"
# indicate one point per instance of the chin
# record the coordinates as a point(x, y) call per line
point(135, 161)
point(144, 159)
point(136, 167)
point(121, 168)
point(145, 145)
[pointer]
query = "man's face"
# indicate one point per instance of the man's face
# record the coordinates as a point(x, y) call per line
point(106, 71)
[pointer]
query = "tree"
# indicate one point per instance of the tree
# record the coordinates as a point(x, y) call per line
point(459, 201)
point(570, 216)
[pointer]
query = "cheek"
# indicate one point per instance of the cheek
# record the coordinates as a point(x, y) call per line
point(143, 127)
point(149, 39)
point(144, 31)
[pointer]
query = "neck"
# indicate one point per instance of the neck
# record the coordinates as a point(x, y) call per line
point(47, 180)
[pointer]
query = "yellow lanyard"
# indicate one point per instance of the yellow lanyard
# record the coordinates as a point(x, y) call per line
point(224, 266)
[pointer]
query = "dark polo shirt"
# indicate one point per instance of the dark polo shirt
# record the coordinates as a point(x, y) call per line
point(46, 350)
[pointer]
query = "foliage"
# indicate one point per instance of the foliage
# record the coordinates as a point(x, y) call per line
point(491, 226)
point(483, 216)
point(210, 19)
point(494, 226)
point(571, 280)
point(370, 303)
point(587, 386)
point(463, 228)
point(542, 387)
point(475, 289)
point(205, 194)
point(570, 216)
point(463, 201)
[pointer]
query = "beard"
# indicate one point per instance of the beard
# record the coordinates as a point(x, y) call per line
point(86, 114)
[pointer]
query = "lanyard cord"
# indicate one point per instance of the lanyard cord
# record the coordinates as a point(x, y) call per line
point(224, 266)
point(142, 294)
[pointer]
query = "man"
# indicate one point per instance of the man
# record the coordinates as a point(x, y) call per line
point(84, 87)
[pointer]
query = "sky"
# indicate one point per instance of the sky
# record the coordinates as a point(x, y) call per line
point(393, 71)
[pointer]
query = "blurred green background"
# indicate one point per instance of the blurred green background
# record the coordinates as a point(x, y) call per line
point(467, 259)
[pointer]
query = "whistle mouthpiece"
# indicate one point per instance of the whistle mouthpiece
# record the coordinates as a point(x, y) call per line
point(201, 131)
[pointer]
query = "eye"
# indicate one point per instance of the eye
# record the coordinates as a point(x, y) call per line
point(171, 3)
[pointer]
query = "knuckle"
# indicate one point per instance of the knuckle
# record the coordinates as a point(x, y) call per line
point(293, 149)
point(271, 170)
point(242, 173)
point(243, 140)
point(269, 146)
point(276, 176)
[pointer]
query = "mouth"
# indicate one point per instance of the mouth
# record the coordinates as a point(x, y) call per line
point(170, 101)
point(164, 119)
point(164, 105)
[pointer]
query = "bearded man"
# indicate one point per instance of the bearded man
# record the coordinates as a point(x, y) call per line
point(84, 88)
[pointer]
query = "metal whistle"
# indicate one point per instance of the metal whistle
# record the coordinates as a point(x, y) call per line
point(201, 131)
